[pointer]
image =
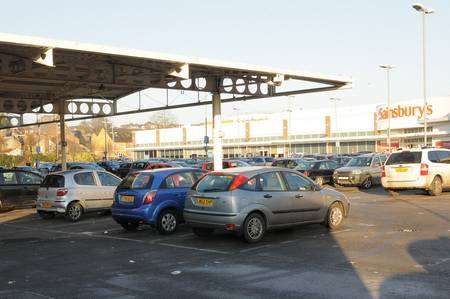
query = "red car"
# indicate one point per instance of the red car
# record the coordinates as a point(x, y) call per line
point(208, 166)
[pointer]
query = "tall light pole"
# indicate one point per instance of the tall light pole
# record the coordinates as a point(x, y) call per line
point(236, 110)
point(388, 69)
point(424, 11)
point(335, 100)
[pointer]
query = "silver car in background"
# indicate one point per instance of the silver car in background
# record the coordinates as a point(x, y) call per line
point(75, 192)
point(251, 200)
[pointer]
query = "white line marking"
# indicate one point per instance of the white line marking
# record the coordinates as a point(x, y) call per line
point(254, 248)
point(193, 248)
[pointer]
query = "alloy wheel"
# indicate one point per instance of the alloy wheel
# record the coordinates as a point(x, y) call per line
point(168, 222)
point(254, 228)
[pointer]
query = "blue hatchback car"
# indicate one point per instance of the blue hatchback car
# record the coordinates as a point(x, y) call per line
point(155, 197)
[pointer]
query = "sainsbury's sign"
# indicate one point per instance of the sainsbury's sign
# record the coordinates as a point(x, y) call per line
point(405, 111)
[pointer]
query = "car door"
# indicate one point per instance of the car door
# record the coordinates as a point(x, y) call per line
point(29, 183)
point(87, 189)
point(108, 184)
point(10, 190)
point(444, 163)
point(176, 186)
point(307, 201)
point(273, 194)
point(328, 172)
point(375, 170)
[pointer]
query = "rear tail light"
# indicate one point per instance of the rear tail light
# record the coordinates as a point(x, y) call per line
point(238, 181)
point(149, 197)
point(423, 169)
point(306, 173)
point(61, 192)
point(383, 171)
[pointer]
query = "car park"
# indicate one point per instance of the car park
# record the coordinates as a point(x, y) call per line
point(321, 172)
point(18, 188)
point(110, 166)
point(153, 197)
point(426, 169)
point(251, 200)
point(208, 166)
point(363, 171)
point(77, 165)
point(261, 161)
point(123, 169)
point(75, 192)
point(289, 162)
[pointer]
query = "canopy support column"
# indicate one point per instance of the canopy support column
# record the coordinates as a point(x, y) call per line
point(217, 131)
point(62, 133)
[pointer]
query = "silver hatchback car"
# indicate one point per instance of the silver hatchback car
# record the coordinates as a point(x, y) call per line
point(75, 192)
point(251, 200)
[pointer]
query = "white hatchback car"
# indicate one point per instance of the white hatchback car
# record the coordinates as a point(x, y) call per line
point(427, 169)
point(75, 192)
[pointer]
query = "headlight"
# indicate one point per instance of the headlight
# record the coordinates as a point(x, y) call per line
point(357, 171)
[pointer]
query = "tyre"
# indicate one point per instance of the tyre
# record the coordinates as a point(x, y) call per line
point(335, 216)
point(46, 215)
point(167, 222)
point(202, 232)
point(367, 183)
point(319, 181)
point(435, 187)
point(129, 226)
point(74, 211)
point(254, 228)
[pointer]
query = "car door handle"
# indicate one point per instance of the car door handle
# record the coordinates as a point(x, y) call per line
point(267, 196)
point(298, 196)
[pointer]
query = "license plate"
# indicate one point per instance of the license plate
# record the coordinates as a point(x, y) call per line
point(206, 202)
point(343, 177)
point(127, 198)
point(401, 169)
point(46, 204)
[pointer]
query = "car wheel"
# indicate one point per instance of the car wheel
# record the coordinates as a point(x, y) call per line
point(74, 211)
point(335, 216)
point(435, 187)
point(254, 228)
point(319, 181)
point(46, 215)
point(167, 222)
point(129, 226)
point(367, 183)
point(202, 232)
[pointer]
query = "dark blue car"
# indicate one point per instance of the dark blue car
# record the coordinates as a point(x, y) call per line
point(155, 197)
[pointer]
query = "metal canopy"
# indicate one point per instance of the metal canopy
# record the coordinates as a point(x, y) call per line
point(35, 72)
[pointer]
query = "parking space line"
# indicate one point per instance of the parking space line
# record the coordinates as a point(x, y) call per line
point(193, 248)
point(92, 235)
point(255, 248)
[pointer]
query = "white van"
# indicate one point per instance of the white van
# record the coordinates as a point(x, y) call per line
point(427, 169)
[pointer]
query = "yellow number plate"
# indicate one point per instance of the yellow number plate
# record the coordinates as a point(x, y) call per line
point(205, 202)
point(46, 204)
point(127, 198)
point(401, 169)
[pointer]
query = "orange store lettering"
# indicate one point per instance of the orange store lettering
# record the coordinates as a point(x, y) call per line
point(405, 111)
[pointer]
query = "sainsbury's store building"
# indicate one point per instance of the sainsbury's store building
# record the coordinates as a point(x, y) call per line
point(351, 129)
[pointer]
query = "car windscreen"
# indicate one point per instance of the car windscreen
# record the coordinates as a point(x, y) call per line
point(137, 180)
point(359, 162)
point(404, 158)
point(215, 183)
point(53, 181)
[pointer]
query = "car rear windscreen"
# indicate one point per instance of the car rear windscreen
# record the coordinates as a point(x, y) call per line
point(404, 158)
point(215, 183)
point(137, 180)
point(53, 181)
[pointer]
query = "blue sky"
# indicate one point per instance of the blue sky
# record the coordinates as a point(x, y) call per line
point(333, 37)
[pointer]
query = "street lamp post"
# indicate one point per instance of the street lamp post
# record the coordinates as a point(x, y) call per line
point(424, 11)
point(388, 69)
point(335, 100)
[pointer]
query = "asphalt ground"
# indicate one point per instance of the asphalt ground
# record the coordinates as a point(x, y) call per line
point(389, 247)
